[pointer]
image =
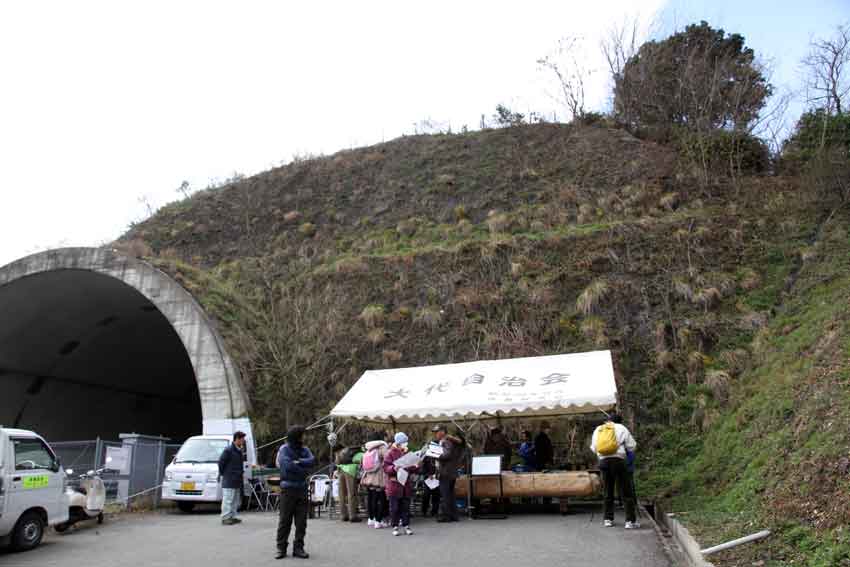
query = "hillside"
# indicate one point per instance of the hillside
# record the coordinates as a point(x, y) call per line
point(724, 303)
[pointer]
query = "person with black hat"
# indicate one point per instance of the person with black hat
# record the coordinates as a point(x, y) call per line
point(295, 461)
point(448, 464)
point(231, 467)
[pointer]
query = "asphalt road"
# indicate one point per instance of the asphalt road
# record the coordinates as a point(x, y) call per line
point(173, 539)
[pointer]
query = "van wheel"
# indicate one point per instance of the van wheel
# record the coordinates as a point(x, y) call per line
point(100, 518)
point(185, 507)
point(28, 532)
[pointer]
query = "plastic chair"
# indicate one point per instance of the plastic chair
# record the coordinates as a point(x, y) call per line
point(320, 494)
point(272, 495)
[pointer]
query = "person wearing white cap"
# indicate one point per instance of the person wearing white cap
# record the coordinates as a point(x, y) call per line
point(398, 493)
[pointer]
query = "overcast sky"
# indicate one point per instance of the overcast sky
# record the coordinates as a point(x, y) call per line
point(104, 105)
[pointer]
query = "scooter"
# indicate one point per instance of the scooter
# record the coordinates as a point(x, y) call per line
point(86, 500)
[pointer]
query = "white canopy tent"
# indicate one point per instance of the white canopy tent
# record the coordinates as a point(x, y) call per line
point(565, 384)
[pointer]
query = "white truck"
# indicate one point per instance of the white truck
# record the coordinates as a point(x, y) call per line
point(192, 477)
point(32, 489)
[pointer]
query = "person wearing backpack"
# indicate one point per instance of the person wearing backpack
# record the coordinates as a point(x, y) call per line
point(347, 465)
point(610, 442)
point(374, 479)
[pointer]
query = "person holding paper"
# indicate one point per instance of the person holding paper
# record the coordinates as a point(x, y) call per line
point(398, 464)
point(431, 491)
point(448, 462)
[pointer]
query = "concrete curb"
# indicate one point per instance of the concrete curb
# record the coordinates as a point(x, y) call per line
point(663, 537)
point(688, 549)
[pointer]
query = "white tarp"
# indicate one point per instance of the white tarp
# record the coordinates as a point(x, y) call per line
point(537, 386)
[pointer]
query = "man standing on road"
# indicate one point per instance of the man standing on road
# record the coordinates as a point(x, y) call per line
point(231, 470)
point(610, 442)
point(448, 463)
point(295, 461)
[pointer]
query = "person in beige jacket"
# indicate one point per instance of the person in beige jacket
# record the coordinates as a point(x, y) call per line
point(375, 480)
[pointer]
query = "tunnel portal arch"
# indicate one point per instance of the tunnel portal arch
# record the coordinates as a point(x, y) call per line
point(74, 296)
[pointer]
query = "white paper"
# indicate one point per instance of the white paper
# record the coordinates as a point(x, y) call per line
point(402, 475)
point(407, 460)
point(432, 483)
point(434, 451)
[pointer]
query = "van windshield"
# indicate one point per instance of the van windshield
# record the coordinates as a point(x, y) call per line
point(201, 451)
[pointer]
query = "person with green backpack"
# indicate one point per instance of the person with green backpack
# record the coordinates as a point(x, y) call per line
point(611, 441)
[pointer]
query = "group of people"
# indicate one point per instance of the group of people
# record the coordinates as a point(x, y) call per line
point(536, 451)
point(389, 479)
point(381, 468)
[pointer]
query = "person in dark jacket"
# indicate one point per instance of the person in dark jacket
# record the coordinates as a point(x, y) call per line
point(544, 452)
point(497, 444)
point(295, 461)
point(231, 470)
point(430, 497)
point(448, 463)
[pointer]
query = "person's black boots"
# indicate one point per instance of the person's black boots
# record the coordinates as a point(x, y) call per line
point(300, 553)
point(281, 553)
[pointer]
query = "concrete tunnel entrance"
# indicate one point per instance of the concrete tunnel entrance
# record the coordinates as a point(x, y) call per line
point(93, 344)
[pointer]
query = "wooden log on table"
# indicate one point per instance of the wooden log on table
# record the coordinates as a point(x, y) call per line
point(556, 484)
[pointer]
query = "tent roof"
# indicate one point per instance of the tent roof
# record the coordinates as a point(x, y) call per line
point(519, 387)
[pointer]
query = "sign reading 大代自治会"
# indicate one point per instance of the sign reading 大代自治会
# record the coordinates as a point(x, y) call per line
point(543, 385)
point(36, 481)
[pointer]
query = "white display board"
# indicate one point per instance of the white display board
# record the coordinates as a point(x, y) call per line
point(487, 465)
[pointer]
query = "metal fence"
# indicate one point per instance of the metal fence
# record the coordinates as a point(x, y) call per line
point(135, 465)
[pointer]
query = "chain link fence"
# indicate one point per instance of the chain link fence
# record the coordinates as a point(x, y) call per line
point(134, 467)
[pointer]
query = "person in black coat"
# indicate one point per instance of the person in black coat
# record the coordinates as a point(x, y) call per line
point(543, 449)
point(231, 466)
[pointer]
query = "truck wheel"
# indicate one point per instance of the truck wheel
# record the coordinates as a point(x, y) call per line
point(185, 507)
point(100, 518)
point(28, 532)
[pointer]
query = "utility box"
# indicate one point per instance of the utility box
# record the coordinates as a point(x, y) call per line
point(147, 463)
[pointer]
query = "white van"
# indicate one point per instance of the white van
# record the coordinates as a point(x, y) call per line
point(32, 489)
point(192, 477)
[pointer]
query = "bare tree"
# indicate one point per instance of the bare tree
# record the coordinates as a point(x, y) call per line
point(827, 68)
point(184, 189)
point(618, 46)
point(565, 62)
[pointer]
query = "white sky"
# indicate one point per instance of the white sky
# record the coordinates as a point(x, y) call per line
point(102, 103)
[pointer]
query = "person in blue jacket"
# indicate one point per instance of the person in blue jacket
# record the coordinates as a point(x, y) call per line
point(527, 452)
point(295, 461)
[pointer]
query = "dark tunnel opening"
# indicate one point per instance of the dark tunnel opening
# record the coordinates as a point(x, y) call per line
point(84, 355)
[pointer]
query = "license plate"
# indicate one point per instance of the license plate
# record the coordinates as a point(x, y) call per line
point(187, 486)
